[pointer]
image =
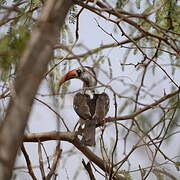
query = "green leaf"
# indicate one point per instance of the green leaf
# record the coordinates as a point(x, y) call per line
point(168, 16)
point(177, 164)
point(12, 46)
point(126, 174)
point(121, 3)
point(2, 2)
point(138, 4)
point(123, 107)
point(72, 14)
point(146, 26)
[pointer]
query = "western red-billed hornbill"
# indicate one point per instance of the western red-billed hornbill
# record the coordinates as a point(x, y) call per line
point(90, 106)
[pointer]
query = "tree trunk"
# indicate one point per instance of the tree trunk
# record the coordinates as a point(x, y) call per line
point(32, 66)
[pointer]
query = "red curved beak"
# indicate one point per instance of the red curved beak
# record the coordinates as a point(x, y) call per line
point(70, 75)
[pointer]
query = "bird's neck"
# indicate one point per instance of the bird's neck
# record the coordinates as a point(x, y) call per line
point(90, 93)
point(88, 90)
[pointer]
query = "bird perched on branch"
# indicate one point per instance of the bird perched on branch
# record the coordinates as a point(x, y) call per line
point(90, 106)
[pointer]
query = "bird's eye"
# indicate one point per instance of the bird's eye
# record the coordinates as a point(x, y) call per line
point(79, 72)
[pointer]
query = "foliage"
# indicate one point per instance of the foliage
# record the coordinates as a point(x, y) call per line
point(12, 45)
point(168, 17)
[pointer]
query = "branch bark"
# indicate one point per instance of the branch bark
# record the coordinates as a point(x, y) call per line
point(33, 65)
point(73, 139)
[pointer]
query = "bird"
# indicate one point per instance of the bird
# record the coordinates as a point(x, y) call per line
point(90, 106)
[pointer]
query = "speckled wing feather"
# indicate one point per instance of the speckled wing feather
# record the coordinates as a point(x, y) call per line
point(92, 111)
point(102, 107)
point(81, 106)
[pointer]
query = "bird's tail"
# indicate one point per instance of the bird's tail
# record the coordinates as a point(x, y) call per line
point(89, 133)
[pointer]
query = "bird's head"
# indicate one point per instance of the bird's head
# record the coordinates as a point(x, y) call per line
point(86, 74)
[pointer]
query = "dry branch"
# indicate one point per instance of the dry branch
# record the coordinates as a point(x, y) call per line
point(133, 115)
point(88, 169)
point(41, 164)
point(28, 162)
point(126, 17)
point(73, 139)
point(95, 50)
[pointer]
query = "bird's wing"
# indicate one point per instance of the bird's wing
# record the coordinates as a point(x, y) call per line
point(102, 107)
point(81, 106)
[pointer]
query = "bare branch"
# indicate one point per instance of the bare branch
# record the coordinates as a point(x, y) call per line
point(95, 50)
point(41, 164)
point(89, 169)
point(55, 162)
point(133, 115)
point(70, 137)
point(28, 162)
point(46, 136)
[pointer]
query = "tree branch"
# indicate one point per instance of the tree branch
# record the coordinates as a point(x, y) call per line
point(88, 169)
point(133, 115)
point(55, 163)
point(73, 139)
point(95, 50)
point(28, 162)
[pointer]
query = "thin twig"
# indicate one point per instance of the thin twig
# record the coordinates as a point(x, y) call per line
point(58, 115)
point(88, 169)
point(41, 164)
point(28, 162)
point(55, 163)
point(116, 140)
point(138, 112)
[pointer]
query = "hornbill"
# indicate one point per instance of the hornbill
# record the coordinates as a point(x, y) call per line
point(90, 106)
